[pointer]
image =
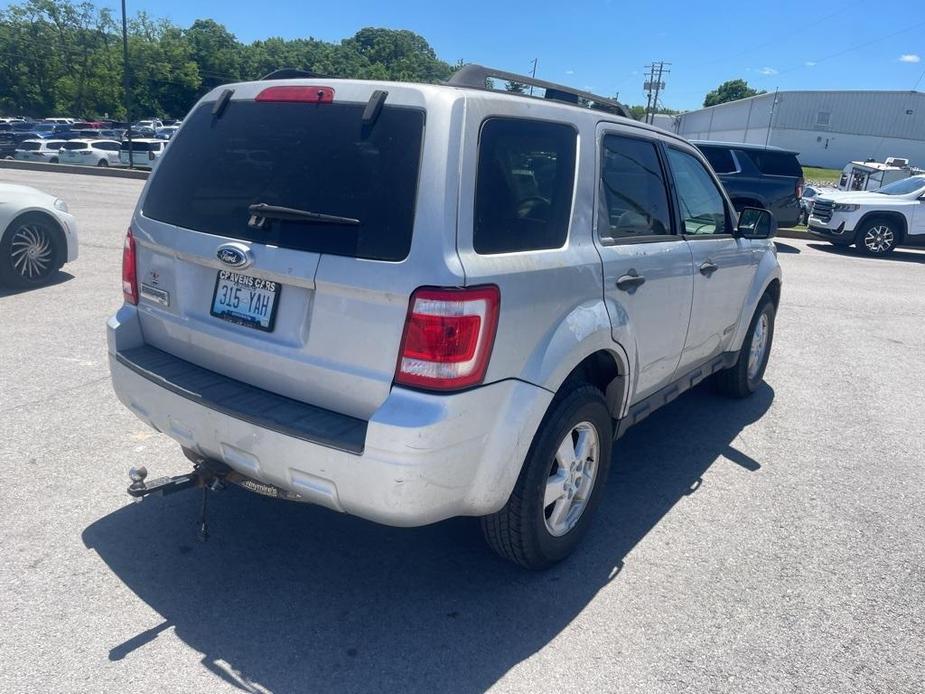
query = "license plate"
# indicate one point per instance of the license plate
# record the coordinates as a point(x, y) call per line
point(245, 300)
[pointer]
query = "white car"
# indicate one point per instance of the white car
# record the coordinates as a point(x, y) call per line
point(875, 222)
point(39, 150)
point(152, 123)
point(144, 152)
point(60, 121)
point(37, 236)
point(90, 152)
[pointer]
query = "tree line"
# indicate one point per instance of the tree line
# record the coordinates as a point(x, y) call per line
point(64, 58)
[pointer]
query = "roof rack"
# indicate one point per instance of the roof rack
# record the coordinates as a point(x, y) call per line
point(475, 77)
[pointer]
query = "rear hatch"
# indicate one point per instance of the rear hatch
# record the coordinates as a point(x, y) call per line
point(308, 307)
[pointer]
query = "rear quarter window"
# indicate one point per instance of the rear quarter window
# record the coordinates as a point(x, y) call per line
point(776, 163)
point(524, 183)
point(720, 159)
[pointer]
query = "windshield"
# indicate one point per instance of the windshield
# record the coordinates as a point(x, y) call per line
point(907, 185)
point(315, 158)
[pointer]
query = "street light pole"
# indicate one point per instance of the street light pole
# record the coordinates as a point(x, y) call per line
point(126, 86)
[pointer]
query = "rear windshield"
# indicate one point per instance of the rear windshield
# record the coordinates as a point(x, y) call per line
point(74, 145)
point(141, 146)
point(776, 163)
point(318, 158)
point(720, 159)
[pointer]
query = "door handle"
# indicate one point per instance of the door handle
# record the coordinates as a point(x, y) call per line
point(630, 282)
point(708, 268)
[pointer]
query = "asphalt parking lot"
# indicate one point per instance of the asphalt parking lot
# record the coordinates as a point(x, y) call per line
point(774, 544)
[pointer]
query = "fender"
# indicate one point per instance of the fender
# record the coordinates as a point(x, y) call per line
point(768, 271)
point(584, 330)
point(895, 215)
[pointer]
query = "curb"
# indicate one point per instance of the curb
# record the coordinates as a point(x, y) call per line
point(137, 174)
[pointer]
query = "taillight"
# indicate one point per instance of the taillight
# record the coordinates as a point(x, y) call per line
point(129, 277)
point(448, 337)
point(311, 95)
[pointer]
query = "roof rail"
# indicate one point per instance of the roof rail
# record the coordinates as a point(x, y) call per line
point(475, 77)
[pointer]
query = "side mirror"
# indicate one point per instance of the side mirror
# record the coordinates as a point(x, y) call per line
point(755, 223)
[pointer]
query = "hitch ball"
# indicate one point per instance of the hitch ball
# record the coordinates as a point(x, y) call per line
point(137, 475)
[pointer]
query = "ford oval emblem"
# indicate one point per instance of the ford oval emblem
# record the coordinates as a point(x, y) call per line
point(234, 255)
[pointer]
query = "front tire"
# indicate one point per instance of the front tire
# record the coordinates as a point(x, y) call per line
point(560, 484)
point(30, 252)
point(742, 378)
point(877, 237)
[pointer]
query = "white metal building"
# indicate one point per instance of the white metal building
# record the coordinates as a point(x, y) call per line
point(827, 128)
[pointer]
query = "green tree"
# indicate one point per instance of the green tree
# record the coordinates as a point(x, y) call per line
point(515, 87)
point(731, 90)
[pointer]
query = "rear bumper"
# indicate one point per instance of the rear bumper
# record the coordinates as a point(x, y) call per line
point(424, 458)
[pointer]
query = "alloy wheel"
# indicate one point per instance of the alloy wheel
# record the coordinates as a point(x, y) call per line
point(879, 239)
point(571, 479)
point(32, 252)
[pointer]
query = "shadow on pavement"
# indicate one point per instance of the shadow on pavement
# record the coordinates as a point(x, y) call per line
point(59, 277)
point(897, 256)
point(786, 248)
point(291, 597)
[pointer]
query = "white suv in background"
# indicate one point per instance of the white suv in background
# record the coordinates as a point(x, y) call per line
point(875, 222)
point(90, 152)
point(38, 150)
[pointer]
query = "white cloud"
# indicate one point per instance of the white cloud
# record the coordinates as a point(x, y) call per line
point(569, 72)
point(768, 71)
point(809, 63)
point(909, 58)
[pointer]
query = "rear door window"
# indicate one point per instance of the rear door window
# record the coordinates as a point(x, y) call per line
point(634, 199)
point(524, 184)
point(720, 159)
point(776, 163)
point(316, 158)
point(74, 145)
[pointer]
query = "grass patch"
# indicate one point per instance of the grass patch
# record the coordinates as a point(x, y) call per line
point(812, 173)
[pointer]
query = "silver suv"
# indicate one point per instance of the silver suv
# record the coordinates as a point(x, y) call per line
point(409, 302)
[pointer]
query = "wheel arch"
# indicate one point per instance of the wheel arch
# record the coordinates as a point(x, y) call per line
point(581, 348)
point(767, 281)
point(891, 215)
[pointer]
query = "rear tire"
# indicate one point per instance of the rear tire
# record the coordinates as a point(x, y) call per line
point(877, 237)
point(53, 160)
point(103, 163)
point(560, 484)
point(742, 378)
point(31, 251)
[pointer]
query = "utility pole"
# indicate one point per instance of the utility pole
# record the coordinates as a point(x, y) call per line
point(653, 85)
point(533, 74)
point(126, 85)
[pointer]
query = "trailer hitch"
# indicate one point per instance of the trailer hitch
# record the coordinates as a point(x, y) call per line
point(207, 475)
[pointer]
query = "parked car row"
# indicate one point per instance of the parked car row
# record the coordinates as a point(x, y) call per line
point(92, 152)
point(15, 131)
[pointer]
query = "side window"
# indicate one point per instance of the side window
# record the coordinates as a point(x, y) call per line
point(720, 159)
point(524, 184)
point(702, 207)
point(634, 199)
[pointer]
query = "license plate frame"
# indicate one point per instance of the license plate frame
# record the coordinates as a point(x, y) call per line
point(239, 278)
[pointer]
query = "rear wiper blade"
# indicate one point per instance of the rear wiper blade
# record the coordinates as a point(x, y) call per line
point(261, 212)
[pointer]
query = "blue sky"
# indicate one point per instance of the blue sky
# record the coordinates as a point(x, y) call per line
point(603, 46)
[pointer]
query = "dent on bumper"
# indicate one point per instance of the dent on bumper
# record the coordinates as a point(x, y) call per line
point(427, 457)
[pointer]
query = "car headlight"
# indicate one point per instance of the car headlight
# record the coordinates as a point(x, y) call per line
point(60, 205)
point(845, 207)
